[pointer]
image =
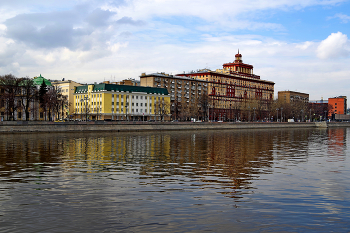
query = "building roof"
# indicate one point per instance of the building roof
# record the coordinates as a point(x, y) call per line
point(179, 76)
point(39, 80)
point(122, 88)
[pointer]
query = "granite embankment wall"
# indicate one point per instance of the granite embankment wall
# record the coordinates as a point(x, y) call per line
point(23, 126)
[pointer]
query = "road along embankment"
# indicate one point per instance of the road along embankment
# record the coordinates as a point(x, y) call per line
point(23, 126)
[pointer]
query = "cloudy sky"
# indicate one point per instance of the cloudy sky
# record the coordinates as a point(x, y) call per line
point(301, 45)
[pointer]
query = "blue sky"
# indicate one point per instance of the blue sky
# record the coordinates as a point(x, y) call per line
point(301, 45)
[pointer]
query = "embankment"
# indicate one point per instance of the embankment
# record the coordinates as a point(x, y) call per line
point(26, 127)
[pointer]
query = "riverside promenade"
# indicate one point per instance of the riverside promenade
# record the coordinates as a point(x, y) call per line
point(32, 126)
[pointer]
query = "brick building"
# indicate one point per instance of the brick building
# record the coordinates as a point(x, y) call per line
point(186, 94)
point(235, 92)
point(337, 105)
point(292, 97)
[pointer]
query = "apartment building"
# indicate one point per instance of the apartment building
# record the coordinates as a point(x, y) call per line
point(121, 102)
point(185, 93)
point(234, 91)
point(337, 105)
point(292, 97)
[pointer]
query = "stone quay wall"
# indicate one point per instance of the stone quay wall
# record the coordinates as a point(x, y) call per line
point(30, 126)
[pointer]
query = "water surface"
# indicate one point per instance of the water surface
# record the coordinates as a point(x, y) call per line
point(293, 180)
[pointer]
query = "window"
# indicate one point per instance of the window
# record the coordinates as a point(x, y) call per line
point(137, 97)
point(141, 104)
point(112, 95)
point(145, 104)
point(137, 104)
point(132, 97)
point(141, 97)
point(41, 115)
point(132, 104)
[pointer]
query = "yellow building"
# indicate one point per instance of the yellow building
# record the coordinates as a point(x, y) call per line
point(120, 102)
point(67, 89)
point(292, 96)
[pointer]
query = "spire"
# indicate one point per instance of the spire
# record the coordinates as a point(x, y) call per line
point(238, 51)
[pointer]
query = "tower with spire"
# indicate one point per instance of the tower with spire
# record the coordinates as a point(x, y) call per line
point(237, 66)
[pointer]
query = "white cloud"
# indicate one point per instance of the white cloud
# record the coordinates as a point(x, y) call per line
point(342, 17)
point(305, 45)
point(123, 38)
point(336, 45)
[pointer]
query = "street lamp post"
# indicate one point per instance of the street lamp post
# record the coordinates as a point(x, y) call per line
point(277, 115)
point(85, 99)
point(81, 113)
point(254, 114)
point(126, 112)
point(281, 115)
point(302, 115)
point(310, 115)
point(249, 113)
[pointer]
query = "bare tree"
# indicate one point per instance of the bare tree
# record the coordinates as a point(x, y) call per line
point(11, 86)
point(162, 108)
point(28, 95)
point(204, 106)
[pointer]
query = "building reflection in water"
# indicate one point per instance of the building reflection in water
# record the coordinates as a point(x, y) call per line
point(337, 143)
point(228, 159)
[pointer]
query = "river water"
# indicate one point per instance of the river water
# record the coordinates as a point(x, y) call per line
point(295, 180)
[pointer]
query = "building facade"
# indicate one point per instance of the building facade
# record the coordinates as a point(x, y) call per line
point(292, 96)
point(337, 106)
point(235, 92)
point(66, 88)
point(186, 94)
point(121, 102)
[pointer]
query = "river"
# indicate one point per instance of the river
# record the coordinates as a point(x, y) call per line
point(288, 180)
